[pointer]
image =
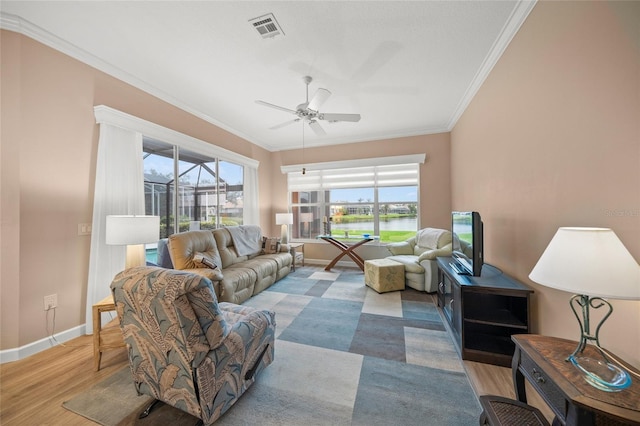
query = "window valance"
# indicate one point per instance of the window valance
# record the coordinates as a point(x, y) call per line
point(361, 162)
point(362, 173)
point(108, 115)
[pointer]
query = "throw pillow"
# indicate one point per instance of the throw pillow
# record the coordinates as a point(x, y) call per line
point(270, 245)
point(203, 261)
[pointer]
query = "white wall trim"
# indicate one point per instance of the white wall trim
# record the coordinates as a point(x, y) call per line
point(16, 354)
point(22, 26)
point(510, 29)
point(361, 162)
point(108, 115)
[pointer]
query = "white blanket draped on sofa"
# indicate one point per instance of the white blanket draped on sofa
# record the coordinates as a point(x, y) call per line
point(246, 239)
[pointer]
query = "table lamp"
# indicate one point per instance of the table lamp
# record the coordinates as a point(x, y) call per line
point(593, 264)
point(306, 218)
point(284, 219)
point(134, 232)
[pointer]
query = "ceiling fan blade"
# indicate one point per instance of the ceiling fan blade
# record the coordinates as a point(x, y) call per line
point(317, 129)
point(340, 117)
point(286, 123)
point(267, 104)
point(318, 99)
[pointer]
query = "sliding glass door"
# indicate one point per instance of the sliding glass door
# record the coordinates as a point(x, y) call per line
point(207, 193)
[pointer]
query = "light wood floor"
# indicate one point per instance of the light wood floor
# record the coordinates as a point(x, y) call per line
point(32, 390)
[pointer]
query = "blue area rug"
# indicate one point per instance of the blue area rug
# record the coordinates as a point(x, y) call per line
point(345, 355)
point(406, 369)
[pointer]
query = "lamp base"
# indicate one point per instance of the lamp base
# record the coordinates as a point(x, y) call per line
point(601, 374)
point(284, 234)
point(136, 256)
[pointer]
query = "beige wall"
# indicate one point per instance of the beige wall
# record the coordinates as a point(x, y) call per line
point(9, 194)
point(435, 189)
point(47, 159)
point(553, 139)
point(48, 155)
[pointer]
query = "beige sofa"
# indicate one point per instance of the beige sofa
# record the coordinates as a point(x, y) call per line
point(236, 277)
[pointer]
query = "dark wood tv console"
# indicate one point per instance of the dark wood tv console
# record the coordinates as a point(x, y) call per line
point(483, 312)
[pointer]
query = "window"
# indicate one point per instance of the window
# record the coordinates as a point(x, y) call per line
point(208, 191)
point(379, 200)
point(126, 134)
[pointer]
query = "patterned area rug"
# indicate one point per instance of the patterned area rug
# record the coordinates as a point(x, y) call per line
point(345, 355)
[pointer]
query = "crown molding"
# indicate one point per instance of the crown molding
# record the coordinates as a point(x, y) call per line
point(518, 16)
point(510, 29)
point(19, 25)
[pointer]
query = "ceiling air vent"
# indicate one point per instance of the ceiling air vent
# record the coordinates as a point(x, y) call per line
point(266, 25)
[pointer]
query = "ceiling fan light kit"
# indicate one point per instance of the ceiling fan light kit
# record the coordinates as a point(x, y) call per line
point(309, 111)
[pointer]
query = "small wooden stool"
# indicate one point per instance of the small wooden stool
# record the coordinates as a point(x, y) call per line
point(500, 411)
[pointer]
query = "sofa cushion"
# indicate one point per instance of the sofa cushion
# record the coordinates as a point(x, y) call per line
point(401, 248)
point(184, 245)
point(227, 251)
point(238, 284)
point(432, 238)
point(282, 259)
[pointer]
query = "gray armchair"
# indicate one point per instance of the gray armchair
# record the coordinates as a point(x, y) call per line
point(185, 348)
point(418, 255)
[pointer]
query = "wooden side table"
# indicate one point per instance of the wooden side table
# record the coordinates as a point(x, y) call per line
point(107, 337)
point(293, 250)
point(542, 361)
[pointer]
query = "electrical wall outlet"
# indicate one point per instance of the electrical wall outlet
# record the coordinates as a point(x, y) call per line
point(84, 229)
point(50, 302)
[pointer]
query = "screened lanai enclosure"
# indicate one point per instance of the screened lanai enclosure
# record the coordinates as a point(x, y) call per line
point(189, 190)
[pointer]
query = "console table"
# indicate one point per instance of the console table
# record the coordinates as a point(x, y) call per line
point(483, 312)
point(542, 361)
point(345, 250)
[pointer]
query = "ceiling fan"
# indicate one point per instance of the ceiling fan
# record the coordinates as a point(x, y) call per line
point(309, 111)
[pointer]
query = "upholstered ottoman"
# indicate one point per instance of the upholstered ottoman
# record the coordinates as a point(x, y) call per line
point(384, 275)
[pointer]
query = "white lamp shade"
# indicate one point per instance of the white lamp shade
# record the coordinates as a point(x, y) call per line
point(306, 217)
point(129, 229)
point(588, 261)
point(284, 218)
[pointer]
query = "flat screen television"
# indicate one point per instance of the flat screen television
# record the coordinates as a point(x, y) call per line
point(468, 254)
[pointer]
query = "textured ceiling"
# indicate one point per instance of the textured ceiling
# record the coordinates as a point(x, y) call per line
point(407, 68)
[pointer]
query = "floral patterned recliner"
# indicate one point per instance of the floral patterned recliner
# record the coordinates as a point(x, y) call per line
point(185, 348)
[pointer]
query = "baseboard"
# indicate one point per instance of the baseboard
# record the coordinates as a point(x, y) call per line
point(16, 354)
point(325, 262)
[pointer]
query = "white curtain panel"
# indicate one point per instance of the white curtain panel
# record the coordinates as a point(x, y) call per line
point(251, 210)
point(119, 189)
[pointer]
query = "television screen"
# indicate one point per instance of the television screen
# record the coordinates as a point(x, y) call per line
point(467, 242)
